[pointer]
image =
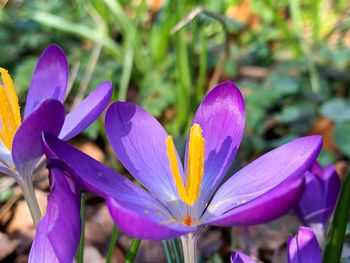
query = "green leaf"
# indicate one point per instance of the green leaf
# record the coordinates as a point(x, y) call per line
point(342, 139)
point(289, 114)
point(336, 233)
point(337, 110)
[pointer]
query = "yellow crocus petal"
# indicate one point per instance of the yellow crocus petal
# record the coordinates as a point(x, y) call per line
point(9, 110)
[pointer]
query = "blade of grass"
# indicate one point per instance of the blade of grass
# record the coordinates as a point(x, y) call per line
point(336, 233)
point(135, 244)
point(111, 245)
point(127, 68)
point(79, 30)
point(80, 254)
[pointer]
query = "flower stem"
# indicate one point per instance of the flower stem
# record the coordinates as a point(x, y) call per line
point(80, 254)
point(32, 202)
point(176, 250)
point(167, 251)
point(189, 243)
point(130, 257)
point(112, 244)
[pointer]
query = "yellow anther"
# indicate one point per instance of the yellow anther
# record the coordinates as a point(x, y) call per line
point(10, 117)
point(175, 168)
point(195, 166)
point(195, 163)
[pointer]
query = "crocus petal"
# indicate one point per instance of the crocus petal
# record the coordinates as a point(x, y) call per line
point(58, 232)
point(26, 148)
point(267, 187)
point(5, 156)
point(87, 111)
point(131, 202)
point(147, 225)
point(303, 248)
point(221, 116)
point(239, 257)
point(320, 196)
point(49, 80)
point(139, 141)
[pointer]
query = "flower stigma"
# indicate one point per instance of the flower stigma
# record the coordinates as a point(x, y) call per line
point(10, 116)
point(188, 193)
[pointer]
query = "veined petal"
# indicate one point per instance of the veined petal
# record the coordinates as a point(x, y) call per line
point(58, 233)
point(87, 111)
point(266, 207)
point(303, 248)
point(131, 202)
point(49, 80)
point(269, 186)
point(26, 149)
point(239, 257)
point(221, 115)
point(139, 141)
point(5, 156)
point(144, 222)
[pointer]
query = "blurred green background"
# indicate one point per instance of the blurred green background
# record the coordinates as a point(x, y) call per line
point(291, 59)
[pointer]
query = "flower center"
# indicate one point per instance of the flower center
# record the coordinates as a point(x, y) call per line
point(10, 117)
point(195, 167)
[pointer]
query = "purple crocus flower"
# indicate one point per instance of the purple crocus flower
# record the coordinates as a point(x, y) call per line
point(174, 202)
point(239, 257)
point(303, 248)
point(320, 195)
point(20, 141)
point(317, 203)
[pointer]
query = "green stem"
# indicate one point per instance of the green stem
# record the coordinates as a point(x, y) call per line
point(32, 202)
point(176, 250)
point(112, 244)
point(80, 254)
point(337, 229)
point(135, 244)
point(167, 251)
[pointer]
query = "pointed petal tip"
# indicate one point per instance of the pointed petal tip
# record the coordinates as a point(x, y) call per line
point(49, 80)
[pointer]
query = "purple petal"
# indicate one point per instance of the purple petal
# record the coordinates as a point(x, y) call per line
point(87, 111)
point(139, 141)
point(320, 196)
point(267, 187)
point(138, 220)
point(303, 248)
point(132, 203)
point(26, 148)
point(58, 233)
point(221, 116)
point(239, 257)
point(49, 80)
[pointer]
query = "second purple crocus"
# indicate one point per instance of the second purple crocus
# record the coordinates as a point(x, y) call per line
point(20, 139)
point(319, 199)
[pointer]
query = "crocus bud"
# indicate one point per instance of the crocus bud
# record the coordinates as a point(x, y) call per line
point(303, 248)
point(319, 198)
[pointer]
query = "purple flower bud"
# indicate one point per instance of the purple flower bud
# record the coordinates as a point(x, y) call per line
point(320, 195)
